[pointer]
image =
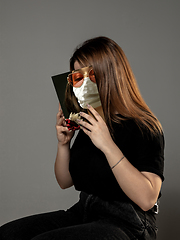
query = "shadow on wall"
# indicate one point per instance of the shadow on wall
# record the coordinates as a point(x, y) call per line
point(168, 220)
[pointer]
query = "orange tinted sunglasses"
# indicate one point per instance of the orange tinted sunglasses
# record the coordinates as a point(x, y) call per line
point(76, 78)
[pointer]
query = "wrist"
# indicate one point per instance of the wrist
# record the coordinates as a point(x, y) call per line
point(64, 145)
point(112, 153)
point(110, 148)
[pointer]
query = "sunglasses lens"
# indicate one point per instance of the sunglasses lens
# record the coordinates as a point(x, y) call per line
point(92, 76)
point(76, 79)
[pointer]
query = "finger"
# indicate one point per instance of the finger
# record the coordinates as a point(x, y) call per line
point(85, 124)
point(59, 106)
point(59, 115)
point(85, 130)
point(61, 129)
point(94, 112)
point(88, 117)
point(61, 122)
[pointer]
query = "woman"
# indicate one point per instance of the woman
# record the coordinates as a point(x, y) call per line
point(116, 160)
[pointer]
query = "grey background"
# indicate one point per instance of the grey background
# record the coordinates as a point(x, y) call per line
point(37, 39)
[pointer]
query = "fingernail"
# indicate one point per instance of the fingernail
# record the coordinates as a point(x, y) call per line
point(87, 105)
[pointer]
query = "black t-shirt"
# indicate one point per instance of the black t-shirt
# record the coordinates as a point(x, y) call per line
point(89, 167)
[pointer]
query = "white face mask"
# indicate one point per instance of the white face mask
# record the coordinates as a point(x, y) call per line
point(87, 93)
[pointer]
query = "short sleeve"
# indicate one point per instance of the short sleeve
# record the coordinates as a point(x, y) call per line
point(144, 151)
point(150, 154)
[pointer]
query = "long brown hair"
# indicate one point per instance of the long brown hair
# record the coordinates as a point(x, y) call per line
point(118, 89)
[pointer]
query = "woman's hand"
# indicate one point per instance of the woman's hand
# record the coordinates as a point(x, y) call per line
point(96, 129)
point(63, 134)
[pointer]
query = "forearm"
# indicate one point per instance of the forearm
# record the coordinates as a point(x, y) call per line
point(134, 183)
point(62, 166)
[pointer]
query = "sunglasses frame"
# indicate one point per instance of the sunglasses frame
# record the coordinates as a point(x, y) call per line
point(84, 71)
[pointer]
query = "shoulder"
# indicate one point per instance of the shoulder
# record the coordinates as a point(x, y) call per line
point(127, 127)
point(139, 136)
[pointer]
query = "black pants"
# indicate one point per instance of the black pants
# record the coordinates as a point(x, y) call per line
point(90, 218)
